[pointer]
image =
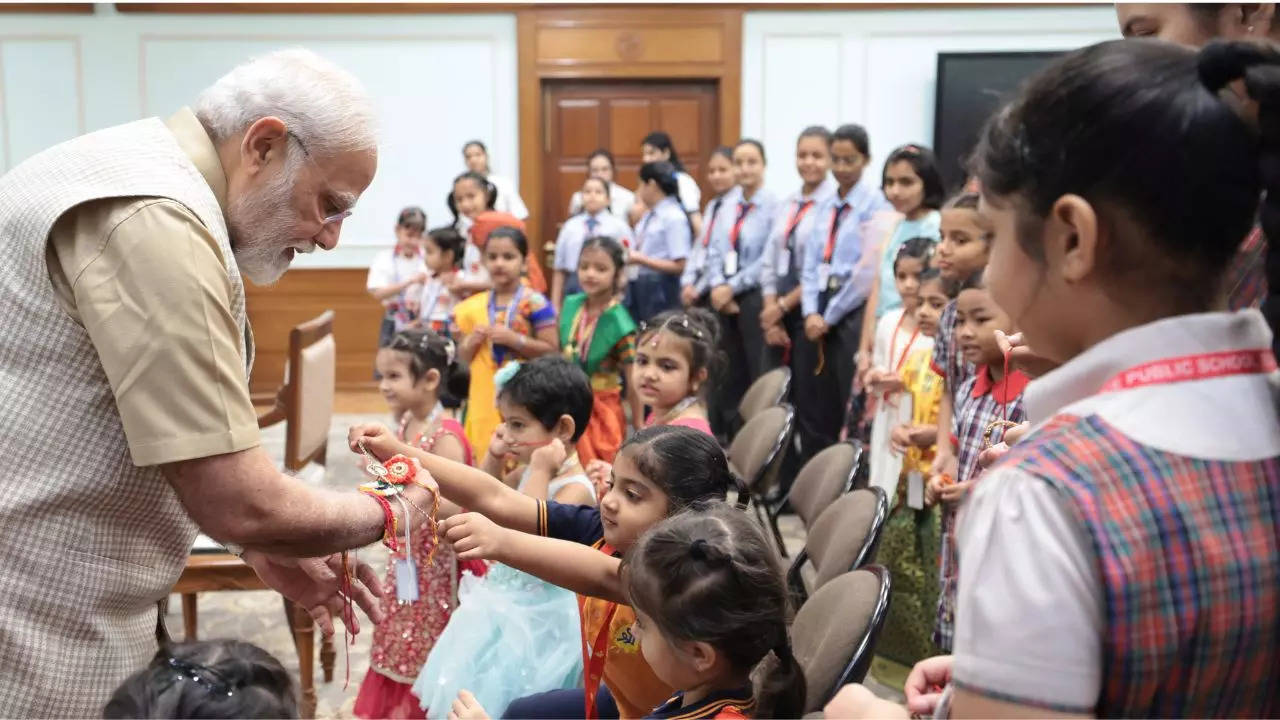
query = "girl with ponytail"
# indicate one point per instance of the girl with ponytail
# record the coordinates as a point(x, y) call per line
point(664, 237)
point(1118, 185)
point(711, 606)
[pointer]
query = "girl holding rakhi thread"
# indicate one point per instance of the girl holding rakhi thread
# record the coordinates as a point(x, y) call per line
point(598, 334)
point(897, 336)
point(514, 634)
point(416, 367)
point(658, 472)
point(509, 322)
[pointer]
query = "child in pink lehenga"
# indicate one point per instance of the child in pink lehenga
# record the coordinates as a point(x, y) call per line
point(415, 367)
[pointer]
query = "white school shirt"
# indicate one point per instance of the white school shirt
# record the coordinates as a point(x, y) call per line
point(1030, 615)
point(574, 233)
point(435, 303)
point(473, 269)
point(509, 200)
point(620, 201)
point(388, 268)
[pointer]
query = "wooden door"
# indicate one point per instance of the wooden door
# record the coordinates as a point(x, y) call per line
point(582, 116)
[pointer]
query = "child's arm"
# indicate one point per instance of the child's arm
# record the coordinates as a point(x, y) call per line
point(466, 486)
point(579, 568)
point(945, 459)
point(637, 405)
point(557, 287)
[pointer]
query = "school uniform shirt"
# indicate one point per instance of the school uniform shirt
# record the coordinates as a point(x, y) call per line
point(509, 201)
point(620, 201)
point(841, 240)
point(1124, 558)
point(663, 233)
point(389, 268)
point(578, 228)
point(435, 304)
point(744, 229)
point(792, 228)
point(695, 267)
point(473, 269)
point(635, 688)
point(735, 703)
point(947, 360)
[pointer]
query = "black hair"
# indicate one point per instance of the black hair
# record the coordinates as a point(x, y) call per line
point(818, 131)
point(1137, 129)
point(920, 248)
point(610, 247)
point(491, 191)
point(696, 326)
point(550, 387)
point(756, 144)
point(855, 134)
point(723, 151)
point(688, 465)
point(514, 234)
point(662, 141)
point(448, 239)
point(663, 173)
point(925, 166)
point(430, 351)
point(210, 679)
point(602, 152)
point(413, 218)
point(478, 144)
point(710, 575)
point(932, 273)
point(977, 280)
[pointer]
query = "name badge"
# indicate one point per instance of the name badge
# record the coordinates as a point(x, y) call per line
point(406, 580)
point(784, 262)
point(633, 272)
point(731, 262)
point(915, 490)
point(824, 275)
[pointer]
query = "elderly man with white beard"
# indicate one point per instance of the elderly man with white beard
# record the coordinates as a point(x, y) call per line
point(125, 420)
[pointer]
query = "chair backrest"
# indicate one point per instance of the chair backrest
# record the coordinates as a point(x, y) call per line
point(769, 390)
point(308, 392)
point(823, 479)
point(843, 538)
point(756, 451)
point(834, 632)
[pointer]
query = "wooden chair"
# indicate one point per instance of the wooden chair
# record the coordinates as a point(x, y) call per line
point(755, 456)
point(843, 538)
point(305, 405)
point(834, 633)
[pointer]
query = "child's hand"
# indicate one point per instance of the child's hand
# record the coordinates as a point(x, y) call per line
point(815, 327)
point(953, 493)
point(776, 336)
point(466, 707)
point(549, 457)
point(688, 295)
point(1022, 357)
point(933, 488)
point(472, 341)
point(599, 473)
point(474, 536)
point(377, 439)
point(887, 382)
point(900, 439)
point(923, 436)
point(504, 336)
point(498, 444)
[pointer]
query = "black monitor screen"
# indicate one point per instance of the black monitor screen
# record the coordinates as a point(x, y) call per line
point(971, 86)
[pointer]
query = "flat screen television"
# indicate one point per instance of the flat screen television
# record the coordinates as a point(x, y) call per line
point(971, 86)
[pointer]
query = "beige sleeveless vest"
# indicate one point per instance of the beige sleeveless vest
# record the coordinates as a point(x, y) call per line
point(88, 541)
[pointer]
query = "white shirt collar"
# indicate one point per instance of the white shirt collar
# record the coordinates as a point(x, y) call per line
point(1085, 374)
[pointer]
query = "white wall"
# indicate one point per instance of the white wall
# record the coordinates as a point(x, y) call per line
point(877, 68)
point(438, 80)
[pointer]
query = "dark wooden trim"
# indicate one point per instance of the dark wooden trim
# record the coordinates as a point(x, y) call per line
point(531, 72)
point(49, 8)
point(411, 8)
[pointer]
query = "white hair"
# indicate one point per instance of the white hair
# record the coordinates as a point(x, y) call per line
point(324, 105)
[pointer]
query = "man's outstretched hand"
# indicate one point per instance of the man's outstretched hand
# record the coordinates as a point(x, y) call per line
point(315, 584)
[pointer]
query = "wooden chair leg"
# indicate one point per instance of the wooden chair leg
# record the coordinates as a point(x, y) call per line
point(328, 657)
point(189, 617)
point(304, 641)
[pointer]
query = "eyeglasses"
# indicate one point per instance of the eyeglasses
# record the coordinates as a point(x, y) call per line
point(336, 217)
point(202, 676)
